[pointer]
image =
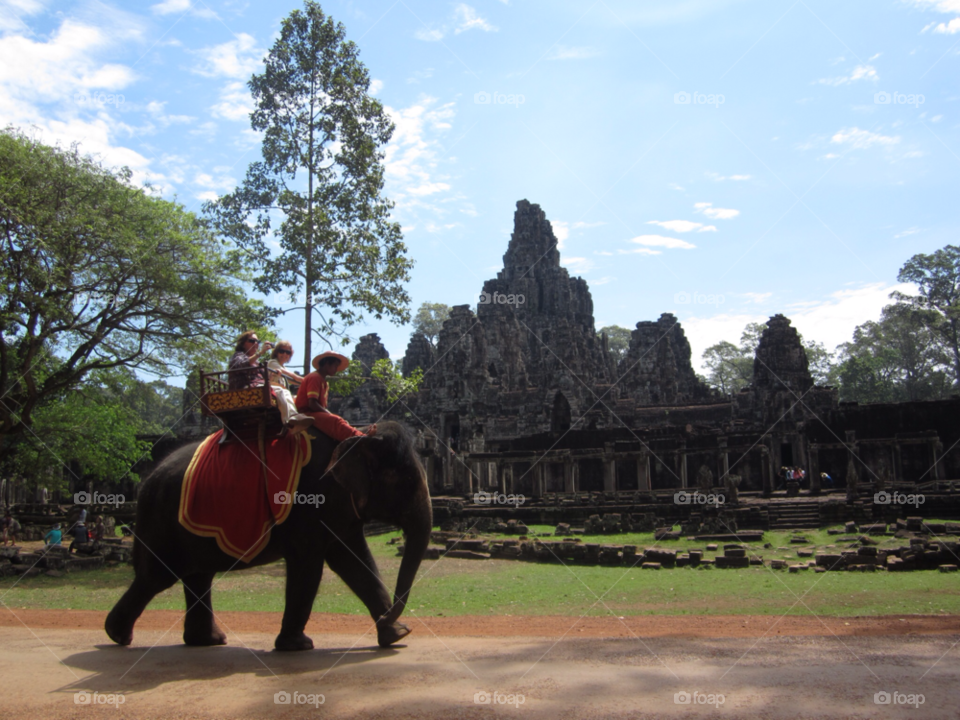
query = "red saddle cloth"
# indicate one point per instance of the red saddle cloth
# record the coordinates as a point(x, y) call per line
point(224, 494)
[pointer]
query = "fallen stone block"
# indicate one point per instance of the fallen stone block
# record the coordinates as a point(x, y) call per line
point(650, 566)
point(724, 561)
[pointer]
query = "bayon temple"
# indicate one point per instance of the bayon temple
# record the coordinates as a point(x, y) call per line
point(521, 396)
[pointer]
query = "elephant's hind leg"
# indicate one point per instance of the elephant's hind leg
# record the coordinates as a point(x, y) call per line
point(120, 621)
point(199, 626)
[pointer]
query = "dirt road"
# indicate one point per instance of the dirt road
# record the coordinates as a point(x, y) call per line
point(737, 667)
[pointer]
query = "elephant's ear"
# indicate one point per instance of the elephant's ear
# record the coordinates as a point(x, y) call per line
point(353, 466)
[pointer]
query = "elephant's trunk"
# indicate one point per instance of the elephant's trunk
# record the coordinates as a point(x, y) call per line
point(417, 537)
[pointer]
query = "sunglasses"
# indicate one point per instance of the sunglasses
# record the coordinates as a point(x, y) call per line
point(253, 340)
point(284, 352)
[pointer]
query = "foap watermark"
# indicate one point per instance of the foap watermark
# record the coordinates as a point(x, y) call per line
point(497, 98)
point(296, 498)
point(887, 498)
point(298, 698)
point(98, 99)
point(487, 498)
point(898, 98)
point(497, 298)
point(898, 698)
point(698, 698)
point(685, 298)
point(86, 498)
point(498, 698)
point(698, 98)
point(698, 498)
point(94, 698)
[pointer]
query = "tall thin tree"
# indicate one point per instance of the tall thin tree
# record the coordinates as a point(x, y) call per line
point(322, 172)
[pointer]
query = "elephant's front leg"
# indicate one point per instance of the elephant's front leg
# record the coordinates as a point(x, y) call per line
point(304, 571)
point(349, 557)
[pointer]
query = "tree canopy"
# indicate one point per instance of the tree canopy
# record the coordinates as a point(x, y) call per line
point(98, 274)
point(618, 340)
point(429, 320)
point(322, 175)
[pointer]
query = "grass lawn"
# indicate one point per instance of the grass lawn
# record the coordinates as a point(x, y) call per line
point(508, 587)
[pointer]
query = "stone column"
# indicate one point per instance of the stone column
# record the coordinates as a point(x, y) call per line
point(766, 469)
point(936, 447)
point(569, 482)
point(609, 475)
point(897, 462)
point(537, 482)
point(853, 470)
point(643, 472)
point(501, 471)
point(724, 465)
point(813, 467)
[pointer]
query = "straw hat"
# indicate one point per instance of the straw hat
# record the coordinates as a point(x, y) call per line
point(344, 362)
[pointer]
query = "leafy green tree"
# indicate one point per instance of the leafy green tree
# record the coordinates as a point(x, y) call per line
point(81, 433)
point(821, 363)
point(98, 274)
point(384, 372)
point(895, 359)
point(730, 368)
point(750, 338)
point(618, 339)
point(396, 384)
point(322, 173)
point(937, 277)
point(429, 320)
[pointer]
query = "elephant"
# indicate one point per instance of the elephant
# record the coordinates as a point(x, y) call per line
point(362, 479)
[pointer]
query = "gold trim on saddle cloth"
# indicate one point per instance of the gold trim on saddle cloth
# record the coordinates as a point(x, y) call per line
point(302, 455)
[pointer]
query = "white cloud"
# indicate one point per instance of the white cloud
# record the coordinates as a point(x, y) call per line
point(564, 52)
point(639, 251)
point(464, 18)
point(61, 87)
point(412, 155)
point(943, 6)
point(662, 241)
point(433, 227)
point(860, 72)
point(577, 264)
point(830, 321)
point(375, 86)
point(682, 226)
point(12, 12)
point(562, 228)
point(862, 139)
point(907, 232)
point(713, 213)
point(720, 178)
point(235, 102)
point(467, 19)
point(237, 59)
point(169, 7)
point(756, 298)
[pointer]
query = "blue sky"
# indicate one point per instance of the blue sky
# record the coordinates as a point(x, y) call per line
point(723, 160)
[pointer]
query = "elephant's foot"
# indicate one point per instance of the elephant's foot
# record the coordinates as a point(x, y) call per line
point(387, 635)
point(287, 643)
point(204, 637)
point(118, 631)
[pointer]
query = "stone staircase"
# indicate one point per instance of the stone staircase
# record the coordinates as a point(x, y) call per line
point(794, 516)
